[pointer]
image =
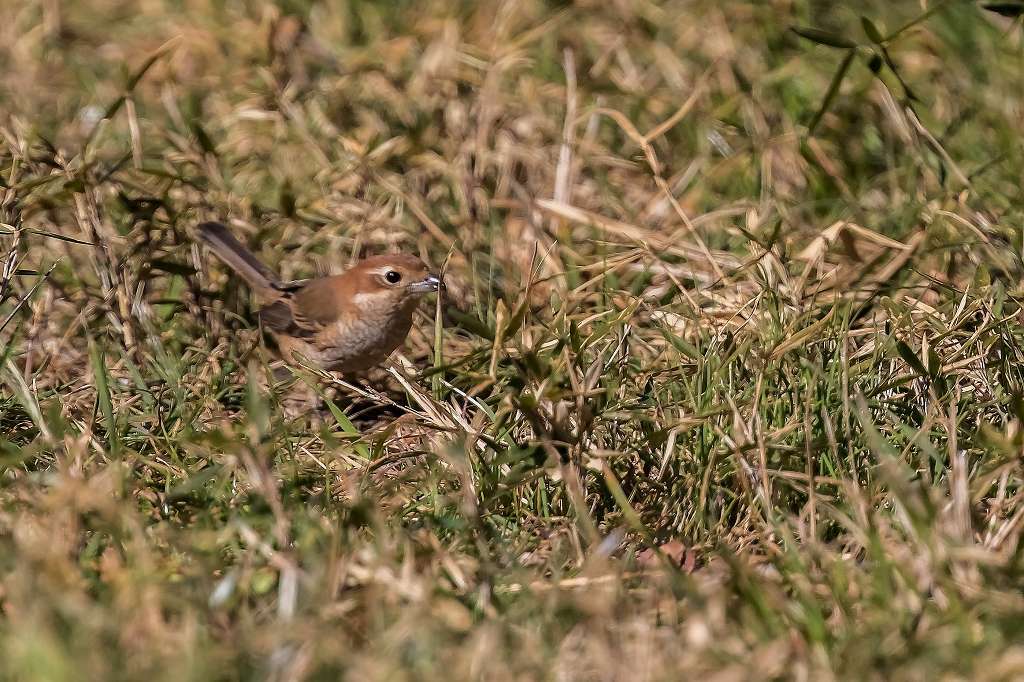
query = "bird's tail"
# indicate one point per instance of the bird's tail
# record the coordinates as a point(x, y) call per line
point(239, 258)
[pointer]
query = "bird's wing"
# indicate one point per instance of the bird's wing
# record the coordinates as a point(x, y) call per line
point(293, 285)
point(307, 309)
point(278, 316)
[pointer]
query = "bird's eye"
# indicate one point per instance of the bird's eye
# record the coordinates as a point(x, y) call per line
point(393, 277)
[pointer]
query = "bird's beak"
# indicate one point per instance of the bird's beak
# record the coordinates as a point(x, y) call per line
point(427, 284)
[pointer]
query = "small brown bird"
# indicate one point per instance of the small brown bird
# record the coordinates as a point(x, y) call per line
point(348, 322)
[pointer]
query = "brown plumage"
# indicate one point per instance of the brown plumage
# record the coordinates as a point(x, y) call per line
point(348, 322)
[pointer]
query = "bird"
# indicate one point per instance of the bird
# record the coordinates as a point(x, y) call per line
point(347, 323)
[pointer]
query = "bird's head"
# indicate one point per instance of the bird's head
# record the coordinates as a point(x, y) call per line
point(392, 281)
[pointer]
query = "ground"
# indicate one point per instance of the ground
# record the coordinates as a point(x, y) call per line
point(726, 382)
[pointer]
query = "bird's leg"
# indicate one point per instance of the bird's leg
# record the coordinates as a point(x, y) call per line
point(296, 393)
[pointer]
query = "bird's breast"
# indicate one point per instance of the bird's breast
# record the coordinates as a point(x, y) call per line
point(357, 342)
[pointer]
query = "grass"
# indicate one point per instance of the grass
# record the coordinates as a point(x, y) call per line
point(727, 381)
